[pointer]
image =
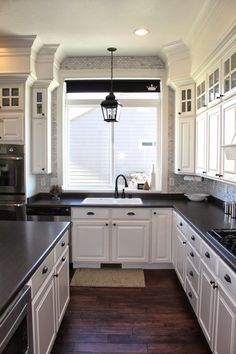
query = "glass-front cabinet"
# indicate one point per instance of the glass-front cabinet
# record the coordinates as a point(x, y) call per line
point(11, 97)
point(201, 95)
point(214, 92)
point(186, 100)
point(229, 72)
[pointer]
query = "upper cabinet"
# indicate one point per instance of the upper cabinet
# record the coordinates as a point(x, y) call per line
point(229, 73)
point(39, 100)
point(201, 95)
point(186, 100)
point(214, 87)
point(11, 97)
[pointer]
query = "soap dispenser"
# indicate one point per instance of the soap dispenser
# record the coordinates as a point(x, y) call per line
point(153, 178)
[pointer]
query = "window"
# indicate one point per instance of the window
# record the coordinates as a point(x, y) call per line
point(95, 152)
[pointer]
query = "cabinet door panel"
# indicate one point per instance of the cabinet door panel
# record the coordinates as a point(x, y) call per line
point(180, 256)
point(213, 162)
point(201, 149)
point(185, 145)
point(161, 236)
point(12, 127)
point(90, 241)
point(40, 155)
point(130, 241)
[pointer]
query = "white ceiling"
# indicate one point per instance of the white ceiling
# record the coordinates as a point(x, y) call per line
point(88, 27)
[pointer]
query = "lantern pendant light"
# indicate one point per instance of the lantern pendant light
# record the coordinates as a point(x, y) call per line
point(110, 106)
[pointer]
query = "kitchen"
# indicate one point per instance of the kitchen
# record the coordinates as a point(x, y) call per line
point(38, 68)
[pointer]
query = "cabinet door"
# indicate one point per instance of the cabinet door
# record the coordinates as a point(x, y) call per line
point(184, 162)
point(130, 241)
point(185, 97)
point(201, 95)
point(207, 302)
point(41, 155)
point(11, 127)
point(161, 235)
point(90, 241)
point(201, 144)
point(62, 280)
point(180, 256)
point(39, 102)
point(44, 314)
point(214, 85)
point(213, 144)
point(225, 324)
point(228, 136)
point(11, 97)
point(229, 73)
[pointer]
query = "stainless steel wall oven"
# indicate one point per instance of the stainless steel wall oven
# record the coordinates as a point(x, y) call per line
point(16, 325)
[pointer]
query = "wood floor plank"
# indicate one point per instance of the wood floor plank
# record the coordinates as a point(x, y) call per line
point(156, 319)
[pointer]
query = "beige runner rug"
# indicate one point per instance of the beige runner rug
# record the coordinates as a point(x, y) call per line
point(130, 278)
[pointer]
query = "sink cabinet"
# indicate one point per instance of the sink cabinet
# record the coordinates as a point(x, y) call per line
point(121, 235)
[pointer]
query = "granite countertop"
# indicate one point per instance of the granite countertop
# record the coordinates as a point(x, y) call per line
point(202, 216)
point(23, 247)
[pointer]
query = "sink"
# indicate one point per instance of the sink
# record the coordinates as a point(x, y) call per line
point(112, 201)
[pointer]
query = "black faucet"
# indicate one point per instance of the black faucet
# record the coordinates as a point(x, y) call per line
point(116, 195)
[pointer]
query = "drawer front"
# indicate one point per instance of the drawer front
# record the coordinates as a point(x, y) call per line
point(131, 213)
point(182, 224)
point(61, 245)
point(194, 256)
point(90, 213)
point(41, 273)
point(227, 278)
point(209, 257)
point(193, 275)
point(195, 240)
point(192, 296)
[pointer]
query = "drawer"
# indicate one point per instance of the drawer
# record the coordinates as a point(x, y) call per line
point(193, 255)
point(90, 213)
point(61, 245)
point(209, 257)
point(195, 240)
point(193, 275)
point(42, 273)
point(182, 224)
point(131, 213)
point(227, 278)
point(192, 296)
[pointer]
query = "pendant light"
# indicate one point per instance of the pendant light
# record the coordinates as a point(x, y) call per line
point(110, 106)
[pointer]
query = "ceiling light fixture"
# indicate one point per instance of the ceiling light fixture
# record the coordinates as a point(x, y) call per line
point(110, 106)
point(141, 32)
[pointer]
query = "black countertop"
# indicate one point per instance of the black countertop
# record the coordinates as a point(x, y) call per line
point(23, 247)
point(202, 216)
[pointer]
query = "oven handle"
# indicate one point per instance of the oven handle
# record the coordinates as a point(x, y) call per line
point(11, 204)
point(11, 158)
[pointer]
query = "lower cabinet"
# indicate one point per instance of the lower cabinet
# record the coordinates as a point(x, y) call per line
point(50, 296)
point(161, 235)
point(180, 256)
point(130, 241)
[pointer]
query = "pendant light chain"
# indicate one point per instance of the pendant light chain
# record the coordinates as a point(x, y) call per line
point(111, 71)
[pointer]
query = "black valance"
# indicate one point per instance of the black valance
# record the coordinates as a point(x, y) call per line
point(73, 86)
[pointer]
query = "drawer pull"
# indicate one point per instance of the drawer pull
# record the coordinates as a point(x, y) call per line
point(212, 282)
point(184, 242)
point(190, 295)
point(90, 213)
point(45, 269)
point(56, 275)
point(63, 259)
point(131, 213)
point(63, 244)
point(207, 254)
point(192, 238)
point(191, 254)
point(191, 273)
point(227, 278)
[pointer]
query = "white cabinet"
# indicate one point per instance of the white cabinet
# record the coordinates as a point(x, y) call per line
point(11, 97)
point(161, 235)
point(44, 314)
point(207, 302)
point(185, 138)
point(130, 241)
point(214, 143)
point(50, 296)
point(11, 127)
point(186, 100)
point(62, 281)
point(201, 144)
point(180, 256)
point(41, 131)
point(228, 134)
point(90, 241)
point(201, 102)
point(225, 323)
point(214, 93)
point(229, 72)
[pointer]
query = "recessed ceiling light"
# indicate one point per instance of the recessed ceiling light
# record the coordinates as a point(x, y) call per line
point(141, 32)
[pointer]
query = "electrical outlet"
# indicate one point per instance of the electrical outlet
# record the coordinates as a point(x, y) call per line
point(171, 181)
point(43, 181)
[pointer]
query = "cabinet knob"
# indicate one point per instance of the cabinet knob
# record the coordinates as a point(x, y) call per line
point(207, 254)
point(191, 273)
point(192, 238)
point(43, 169)
point(63, 259)
point(106, 224)
point(56, 275)
point(43, 114)
point(190, 295)
point(218, 175)
point(227, 278)
point(63, 244)
point(215, 286)
point(191, 254)
point(90, 213)
point(180, 224)
point(179, 113)
point(130, 213)
point(0, 137)
point(178, 169)
point(204, 172)
point(212, 282)
point(154, 213)
point(45, 269)
point(184, 242)
point(114, 224)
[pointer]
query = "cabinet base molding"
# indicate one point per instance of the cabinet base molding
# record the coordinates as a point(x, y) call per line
point(125, 265)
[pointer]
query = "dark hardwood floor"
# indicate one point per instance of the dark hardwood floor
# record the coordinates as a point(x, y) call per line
point(155, 319)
